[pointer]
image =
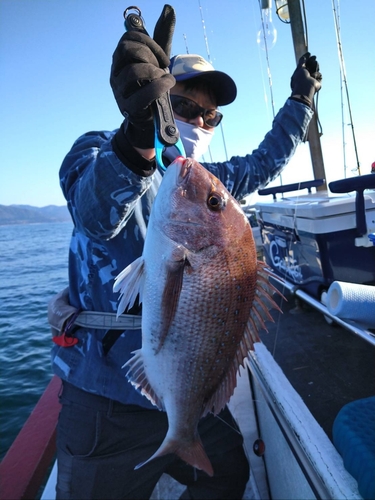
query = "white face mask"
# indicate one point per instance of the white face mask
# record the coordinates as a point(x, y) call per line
point(196, 141)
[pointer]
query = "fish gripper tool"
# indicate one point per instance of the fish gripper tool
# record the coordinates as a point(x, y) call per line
point(166, 131)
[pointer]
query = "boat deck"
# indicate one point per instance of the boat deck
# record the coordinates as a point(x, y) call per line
point(169, 489)
point(326, 364)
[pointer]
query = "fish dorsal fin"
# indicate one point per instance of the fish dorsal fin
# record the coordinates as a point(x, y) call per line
point(130, 284)
point(137, 377)
point(262, 303)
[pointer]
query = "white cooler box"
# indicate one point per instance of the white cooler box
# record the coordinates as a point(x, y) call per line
point(312, 240)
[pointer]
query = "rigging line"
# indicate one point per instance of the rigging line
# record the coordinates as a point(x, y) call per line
point(267, 58)
point(305, 24)
point(210, 61)
point(204, 32)
point(316, 96)
point(260, 57)
point(210, 153)
point(263, 82)
point(336, 19)
point(209, 147)
point(343, 125)
point(287, 257)
point(343, 131)
point(269, 74)
point(227, 423)
point(186, 44)
point(342, 104)
point(306, 37)
point(344, 79)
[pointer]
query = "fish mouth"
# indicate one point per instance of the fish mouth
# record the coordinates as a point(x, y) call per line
point(185, 171)
point(178, 172)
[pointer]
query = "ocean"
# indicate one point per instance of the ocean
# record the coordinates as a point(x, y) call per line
point(34, 267)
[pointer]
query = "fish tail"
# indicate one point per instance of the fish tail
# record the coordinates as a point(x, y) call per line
point(196, 456)
point(193, 453)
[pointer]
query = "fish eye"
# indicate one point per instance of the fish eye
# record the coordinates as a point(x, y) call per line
point(215, 202)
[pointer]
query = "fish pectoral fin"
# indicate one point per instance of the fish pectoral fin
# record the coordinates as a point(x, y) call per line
point(192, 453)
point(171, 296)
point(130, 284)
point(137, 377)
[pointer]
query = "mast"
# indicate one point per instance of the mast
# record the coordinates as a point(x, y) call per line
point(300, 48)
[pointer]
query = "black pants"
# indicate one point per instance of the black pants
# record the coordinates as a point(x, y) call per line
point(100, 441)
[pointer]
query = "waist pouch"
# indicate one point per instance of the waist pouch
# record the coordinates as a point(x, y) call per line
point(63, 318)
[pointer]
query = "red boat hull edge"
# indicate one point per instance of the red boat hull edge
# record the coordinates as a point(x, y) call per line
point(25, 465)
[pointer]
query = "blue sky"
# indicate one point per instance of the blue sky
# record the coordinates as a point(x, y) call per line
point(55, 58)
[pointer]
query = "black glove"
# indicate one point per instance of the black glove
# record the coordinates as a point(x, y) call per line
point(306, 79)
point(139, 76)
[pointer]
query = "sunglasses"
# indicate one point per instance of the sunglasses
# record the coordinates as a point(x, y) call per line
point(189, 110)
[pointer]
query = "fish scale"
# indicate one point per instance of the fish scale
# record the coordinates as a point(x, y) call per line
point(204, 297)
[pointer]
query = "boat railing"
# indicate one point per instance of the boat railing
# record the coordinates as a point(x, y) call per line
point(25, 466)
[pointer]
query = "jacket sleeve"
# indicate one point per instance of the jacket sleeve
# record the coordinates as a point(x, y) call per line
point(243, 175)
point(102, 187)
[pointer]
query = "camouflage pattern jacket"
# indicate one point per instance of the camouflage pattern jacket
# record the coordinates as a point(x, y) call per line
point(110, 190)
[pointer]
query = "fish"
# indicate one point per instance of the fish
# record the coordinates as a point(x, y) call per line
point(204, 299)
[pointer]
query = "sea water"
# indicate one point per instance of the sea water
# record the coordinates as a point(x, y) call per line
point(33, 267)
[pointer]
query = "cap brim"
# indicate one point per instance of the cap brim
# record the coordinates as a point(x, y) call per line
point(222, 85)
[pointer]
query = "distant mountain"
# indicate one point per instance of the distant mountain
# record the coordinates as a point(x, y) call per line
point(26, 214)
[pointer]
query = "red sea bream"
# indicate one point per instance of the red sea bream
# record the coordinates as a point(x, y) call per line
point(204, 297)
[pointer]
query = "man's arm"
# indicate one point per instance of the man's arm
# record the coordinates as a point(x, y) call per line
point(243, 175)
point(106, 173)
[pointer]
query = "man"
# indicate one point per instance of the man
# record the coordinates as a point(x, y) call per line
point(110, 180)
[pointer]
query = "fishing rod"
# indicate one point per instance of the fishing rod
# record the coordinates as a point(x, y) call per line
point(345, 82)
point(262, 40)
point(210, 61)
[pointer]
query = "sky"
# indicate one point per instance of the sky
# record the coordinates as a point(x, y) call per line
point(55, 58)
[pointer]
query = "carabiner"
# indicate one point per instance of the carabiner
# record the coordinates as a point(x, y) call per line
point(134, 21)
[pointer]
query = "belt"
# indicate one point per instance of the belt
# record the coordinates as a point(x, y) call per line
point(108, 321)
point(105, 321)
